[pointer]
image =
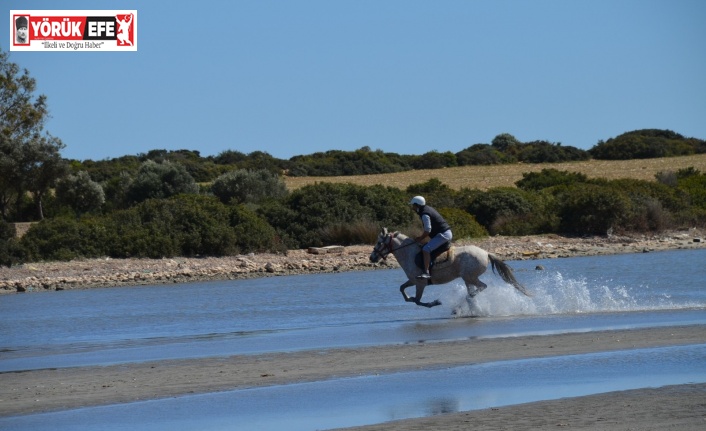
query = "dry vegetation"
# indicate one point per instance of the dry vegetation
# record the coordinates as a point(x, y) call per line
point(485, 177)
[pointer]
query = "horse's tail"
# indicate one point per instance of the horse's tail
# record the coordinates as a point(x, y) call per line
point(505, 273)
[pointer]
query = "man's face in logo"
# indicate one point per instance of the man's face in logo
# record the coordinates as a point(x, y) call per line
point(22, 33)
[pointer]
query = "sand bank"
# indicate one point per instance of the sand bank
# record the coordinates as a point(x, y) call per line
point(56, 389)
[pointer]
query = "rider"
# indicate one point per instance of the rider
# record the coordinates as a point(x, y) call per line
point(435, 227)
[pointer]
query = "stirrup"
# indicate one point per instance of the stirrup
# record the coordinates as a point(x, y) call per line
point(424, 276)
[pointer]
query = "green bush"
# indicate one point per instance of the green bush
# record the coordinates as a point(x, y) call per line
point(252, 233)
point(436, 193)
point(589, 209)
point(645, 144)
point(434, 160)
point(546, 152)
point(499, 202)
point(80, 193)
point(8, 244)
point(357, 232)
point(693, 184)
point(65, 239)
point(185, 225)
point(534, 181)
point(670, 198)
point(136, 235)
point(359, 162)
point(243, 186)
point(160, 181)
point(482, 154)
point(308, 212)
point(463, 225)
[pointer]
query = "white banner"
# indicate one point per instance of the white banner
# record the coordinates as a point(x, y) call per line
point(73, 30)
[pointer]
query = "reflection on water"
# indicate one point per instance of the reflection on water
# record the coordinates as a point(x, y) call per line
point(374, 399)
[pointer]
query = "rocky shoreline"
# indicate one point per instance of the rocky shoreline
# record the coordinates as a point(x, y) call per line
point(107, 272)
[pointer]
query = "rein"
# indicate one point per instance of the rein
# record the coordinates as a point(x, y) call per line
point(392, 250)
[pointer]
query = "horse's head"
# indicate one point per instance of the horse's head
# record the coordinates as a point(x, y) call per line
point(383, 246)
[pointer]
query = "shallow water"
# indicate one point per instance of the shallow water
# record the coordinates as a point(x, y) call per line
point(133, 324)
point(107, 326)
point(373, 399)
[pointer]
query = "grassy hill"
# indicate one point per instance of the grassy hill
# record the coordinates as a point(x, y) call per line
point(485, 177)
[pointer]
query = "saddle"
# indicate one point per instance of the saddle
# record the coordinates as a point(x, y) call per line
point(440, 258)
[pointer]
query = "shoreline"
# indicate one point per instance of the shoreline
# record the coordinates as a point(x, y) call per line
point(651, 409)
point(107, 272)
point(45, 390)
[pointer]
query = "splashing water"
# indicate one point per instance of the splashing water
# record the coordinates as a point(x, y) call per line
point(552, 293)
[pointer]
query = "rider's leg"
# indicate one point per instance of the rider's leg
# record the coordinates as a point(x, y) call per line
point(427, 260)
point(434, 243)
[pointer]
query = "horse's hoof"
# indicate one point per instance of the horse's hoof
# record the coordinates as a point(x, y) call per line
point(435, 303)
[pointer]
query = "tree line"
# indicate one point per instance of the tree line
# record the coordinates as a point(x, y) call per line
point(251, 211)
point(169, 203)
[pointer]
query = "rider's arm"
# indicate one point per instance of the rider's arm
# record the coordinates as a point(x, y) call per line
point(426, 222)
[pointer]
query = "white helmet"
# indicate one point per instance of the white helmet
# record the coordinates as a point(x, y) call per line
point(419, 200)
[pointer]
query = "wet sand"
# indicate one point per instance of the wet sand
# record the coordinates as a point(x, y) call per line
point(58, 389)
point(680, 408)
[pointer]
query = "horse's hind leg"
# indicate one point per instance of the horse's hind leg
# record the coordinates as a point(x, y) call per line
point(474, 287)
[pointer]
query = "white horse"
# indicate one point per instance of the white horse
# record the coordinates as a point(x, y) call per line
point(469, 263)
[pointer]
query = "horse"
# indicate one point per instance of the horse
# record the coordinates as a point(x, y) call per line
point(468, 263)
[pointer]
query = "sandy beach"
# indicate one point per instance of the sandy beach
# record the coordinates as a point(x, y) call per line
point(677, 407)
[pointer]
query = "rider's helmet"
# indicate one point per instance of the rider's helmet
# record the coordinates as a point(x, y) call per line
point(418, 200)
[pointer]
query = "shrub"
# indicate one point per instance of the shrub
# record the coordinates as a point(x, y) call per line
point(357, 232)
point(668, 178)
point(252, 233)
point(65, 239)
point(693, 184)
point(646, 143)
point(588, 209)
point(142, 231)
point(80, 193)
point(640, 191)
point(308, 212)
point(185, 225)
point(8, 243)
point(650, 215)
point(160, 181)
point(499, 202)
point(434, 160)
point(549, 178)
point(436, 193)
point(546, 152)
point(463, 225)
point(244, 186)
point(482, 154)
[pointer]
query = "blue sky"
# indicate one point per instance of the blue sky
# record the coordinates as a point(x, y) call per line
point(299, 76)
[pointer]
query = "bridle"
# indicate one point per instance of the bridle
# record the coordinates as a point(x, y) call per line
point(387, 248)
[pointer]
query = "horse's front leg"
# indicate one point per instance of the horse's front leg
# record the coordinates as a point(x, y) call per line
point(406, 284)
point(417, 299)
